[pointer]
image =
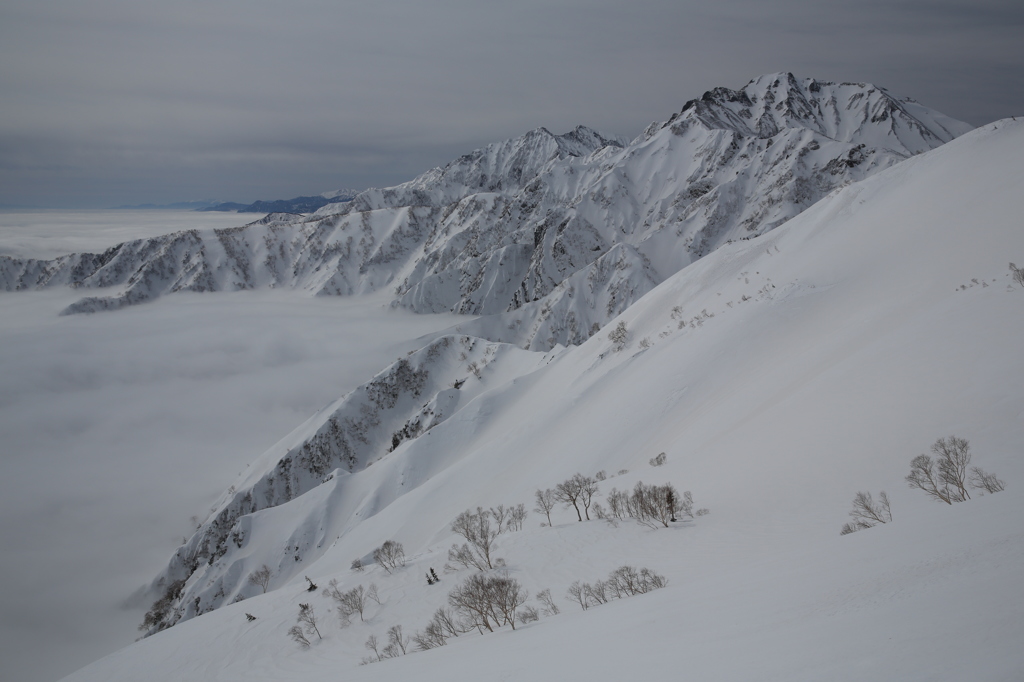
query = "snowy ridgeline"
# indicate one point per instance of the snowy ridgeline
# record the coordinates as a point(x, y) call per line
point(550, 235)
point(810, 330)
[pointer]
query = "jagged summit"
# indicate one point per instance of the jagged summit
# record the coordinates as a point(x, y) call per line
point(551, 235)
point(505, 166)
point(774, 102)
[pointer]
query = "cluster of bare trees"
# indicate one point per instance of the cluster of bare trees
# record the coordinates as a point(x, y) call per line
point(444, 625)
point(390, 555)
point(480, 529)
point(650, 505)
point(351, 602)
point(482, 602)
point(397, 645)
point(946, 478)
point(624, 581)
point(487, 602)
point(576, 492)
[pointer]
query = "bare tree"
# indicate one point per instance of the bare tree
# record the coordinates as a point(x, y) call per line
point(499, 514)
point(981, 480)
point(307, 620)
point(371, 593)
point(349, 602)
point(373, 645)
point(261, 577)
point(397, 642)
point(431, 637)
point(1017, 274)
point(296, 633)
point(488, 601)
point(442, 625)
point(480, 535)
point(576, 491)
point(528, 614)
point(357, 565)
point(550, 608)
point(516, 517)
point(867, 513)
point(945, 478)
point(390, 555)
point(578, 594)
point(508, 595)
point(546, 501)
point(472, 601)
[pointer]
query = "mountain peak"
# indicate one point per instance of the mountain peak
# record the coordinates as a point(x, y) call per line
point(775, 102)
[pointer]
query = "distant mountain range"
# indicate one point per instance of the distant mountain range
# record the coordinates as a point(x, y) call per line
point(296, 205)
point(547, 236)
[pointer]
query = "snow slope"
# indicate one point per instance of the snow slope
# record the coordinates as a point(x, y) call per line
point(780, 375)
point(554, 234)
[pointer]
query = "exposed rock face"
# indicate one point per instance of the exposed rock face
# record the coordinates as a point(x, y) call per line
point(402, 402)
point(555, 233)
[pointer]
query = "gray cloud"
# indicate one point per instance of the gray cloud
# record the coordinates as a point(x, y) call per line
point(120, 102)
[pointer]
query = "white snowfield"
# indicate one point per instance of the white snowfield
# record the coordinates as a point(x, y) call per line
point(780, 375)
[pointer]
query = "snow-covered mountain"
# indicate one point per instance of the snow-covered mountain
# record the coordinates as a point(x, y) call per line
point(780, 374)
point(553, 234)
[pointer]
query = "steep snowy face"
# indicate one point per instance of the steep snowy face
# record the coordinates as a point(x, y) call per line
point(553, 234)
point(402, 403)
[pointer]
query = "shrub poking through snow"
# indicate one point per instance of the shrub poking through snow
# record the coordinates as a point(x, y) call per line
point(867, 513)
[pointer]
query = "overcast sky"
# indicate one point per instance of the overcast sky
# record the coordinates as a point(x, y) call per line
point(108, 102)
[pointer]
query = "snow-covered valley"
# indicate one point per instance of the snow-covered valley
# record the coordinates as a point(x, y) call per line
point(786, 369)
